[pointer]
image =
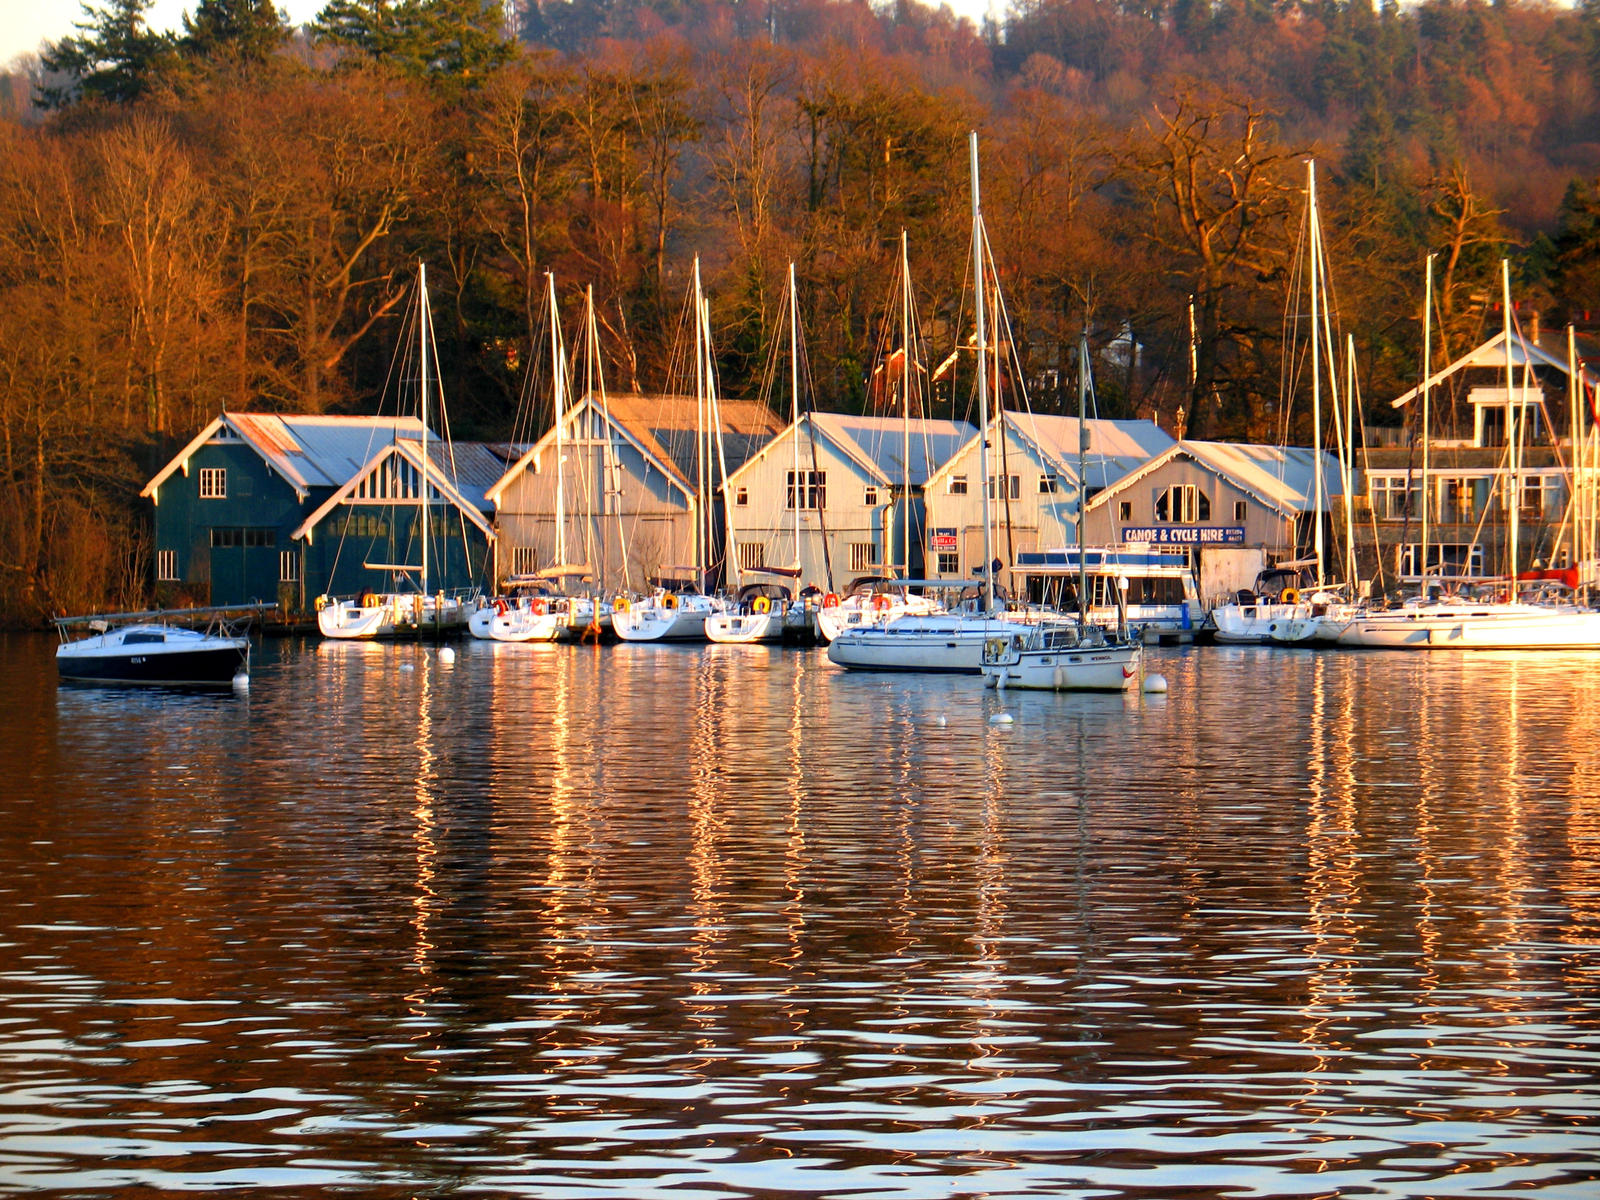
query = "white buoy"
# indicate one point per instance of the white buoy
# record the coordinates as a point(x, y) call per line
point(447, 654)
point(241, 682)
point(1155, 684)
point(1000, 719)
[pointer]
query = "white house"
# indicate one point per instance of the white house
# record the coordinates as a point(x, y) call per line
point(1032, 469)
point(637, 497)
point(834, 497)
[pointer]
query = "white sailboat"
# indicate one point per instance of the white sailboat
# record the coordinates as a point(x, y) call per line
point(1504, 620)
point(948, 641)
point(678, 614)
point(1067, 654)
point(376, 614)
point(1292, 613)
point(762, 611)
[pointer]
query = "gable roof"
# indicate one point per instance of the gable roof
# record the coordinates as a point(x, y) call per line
point(664, 430)
point(878, 444)
point(1115, 447)
point(1281, 477)
point(468, 498)
point(307, 452)
point(1492, 353)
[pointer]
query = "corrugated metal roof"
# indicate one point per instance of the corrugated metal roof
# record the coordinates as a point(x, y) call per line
point(477, 466)
point(323, 451)
point(1283, 474)
point(666, 426)
point(882, 440)
point(1057, 435)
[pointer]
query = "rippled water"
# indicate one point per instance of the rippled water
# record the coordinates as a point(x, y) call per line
point(676, 922)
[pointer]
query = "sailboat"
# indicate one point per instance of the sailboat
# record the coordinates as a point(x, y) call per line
point(1504, 621)
point(762, 611)
point(943, 641)
point(1066, 655)
point(1290, 612)
point(376, 614)
point(679, 613)
point(534, 610)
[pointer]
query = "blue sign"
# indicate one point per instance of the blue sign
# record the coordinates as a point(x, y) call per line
point(1187, 535)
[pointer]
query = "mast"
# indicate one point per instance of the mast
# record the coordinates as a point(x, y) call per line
point(1347, 463)
point(602, 474)
point(1318, 483)
point(422, 343)
point(1427, 379)
point(558, 373)
point(1512, 520)
point(700, 553)
point(794, 404)
point(1083, 451)
point(983, 376)
point(905, 396)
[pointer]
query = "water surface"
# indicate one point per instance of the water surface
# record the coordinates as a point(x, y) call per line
point(675, 922)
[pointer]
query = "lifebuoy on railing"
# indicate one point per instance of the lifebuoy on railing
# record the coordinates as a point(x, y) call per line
point(831, 600)
point(500, 607)
point(669, 601)
point(761, 605)
point(539, 606)
point(1291, 596)
point(620, 604)
point(882, 603)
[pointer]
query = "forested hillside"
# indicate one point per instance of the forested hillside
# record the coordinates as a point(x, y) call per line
point(228, 218)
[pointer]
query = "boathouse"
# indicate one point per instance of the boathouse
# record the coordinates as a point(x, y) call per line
point(1229, 508)
point(835, 498)
point(268, 507)
point(1488, 457)
point(626, 493)
point(1033, 485)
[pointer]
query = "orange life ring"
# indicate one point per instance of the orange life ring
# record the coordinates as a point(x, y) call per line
point(1291, 596)
point(669, 601)
point(620, 604)
point(831, 600)
point(538, 606)
point(882, 603)
point(500, 607)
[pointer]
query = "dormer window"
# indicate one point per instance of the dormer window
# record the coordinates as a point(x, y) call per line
point(1491, 413)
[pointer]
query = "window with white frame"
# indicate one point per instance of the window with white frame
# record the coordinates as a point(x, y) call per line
point(166, 566)
point(1183, 504)
point(863, 555)
point(957, 485)
point(1446, 560)
point(1002, 485)
point(1540, 496)
point(288, 566)
point(805, 490)
point(1241, 510)
point(213, 483)
point(752, 556)
point(1457, 500)
point(1394, 497)
point(524, 560)
point(1124, 510)
point(1049, 485)
point(741, 497)
point(949, 563)
point(869, 495)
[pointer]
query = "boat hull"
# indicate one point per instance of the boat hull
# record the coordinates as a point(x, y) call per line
point(650, 622)
point(745, 628)
point(207, 662)
point(1489, 627)
point(390, 616)
point(930, 645)
point(1110, 669)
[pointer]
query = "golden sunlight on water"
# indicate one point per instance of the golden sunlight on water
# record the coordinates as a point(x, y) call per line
point(639, 921)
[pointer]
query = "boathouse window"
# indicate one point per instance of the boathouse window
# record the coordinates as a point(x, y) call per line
point(1241, 510)
point(233, 539)
point(1124, 510)
point(213, 483)
point(752, 556)
point(1007, 483)
point(289, 566)
point(741, 498)
point(166, 566)
point(958, 485)
point(1183, 504)
point(812, 490)
point(1048, 485)
point(524, 560)
point(869, 496)
point(949, 564)
point(863, 555)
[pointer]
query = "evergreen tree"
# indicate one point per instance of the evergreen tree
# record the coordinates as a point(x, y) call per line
point(461, 40)
point(244, 30)
point(1576, 270)
point(116, 58)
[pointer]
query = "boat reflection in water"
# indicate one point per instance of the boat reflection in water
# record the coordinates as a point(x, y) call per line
point(546, 919)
